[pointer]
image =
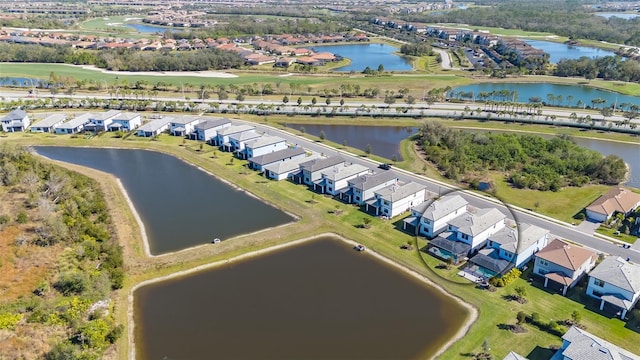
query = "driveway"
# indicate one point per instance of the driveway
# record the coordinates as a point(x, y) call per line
point(588, 227)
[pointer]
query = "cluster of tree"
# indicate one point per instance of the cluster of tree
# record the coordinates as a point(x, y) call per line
point(32, 22)
point(131, 60)
point(606, 67)
point(420, 49)
point(67, 210)
point(530, 161)
point(568, 18)
point(34, 53)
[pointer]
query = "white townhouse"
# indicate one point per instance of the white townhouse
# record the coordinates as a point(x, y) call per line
point(183, 125)
point(615, 281)
point(578, 344)
point(155, 127)
point(337, 178)
point(563, 263)
point(467, 233)
point(393, 200)
point(285, 169)
point(74, 125)
point(363, 188)
point(16, 120)
point(126, 121)
point(508, 248)
point(237, 141)
point(311, 171)
point(263, 145)
point(430, 219)
point(101, 121)
point(260, 162)
point(222, 137)
point(208, 129)
point(49, 123)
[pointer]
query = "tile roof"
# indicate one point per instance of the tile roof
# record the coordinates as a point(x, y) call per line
point(565, 255)
point(586, 346)
point(322, 163)
point(277, 156)
point(156, 124)
point(618, 272)
point(17, 114)
point(264, 140)
point(616, 199)
point(234, 129)
point(288, 165)
point(395, 193)
point(474, 224)
point(369, 181)
point(443, 206)
point(77, 121)
point(50, 120)
point(343, 171)
point(518, 239)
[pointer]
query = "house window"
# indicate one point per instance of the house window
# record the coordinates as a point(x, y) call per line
point(544, 262)
point(598, 282)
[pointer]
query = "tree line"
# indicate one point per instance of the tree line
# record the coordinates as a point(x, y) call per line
point(528, 161)
point(606, 67)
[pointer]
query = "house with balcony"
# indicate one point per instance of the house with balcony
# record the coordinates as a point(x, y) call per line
point(155, 127)
point(126, 121)
point(16, 120)
point(100, 122)
point(49, 123)
point(362, 188)
point(616, 200)
point(508, 248)
point(263, 145)
point(183, 125)
point(394, 200)
point(430, 218)
point(616, 283)
point(261, 161)
point(578, 344)
point(336, 178)
point(74, 125)
point(285, 169)
point(562, 264)
point(466, 234)
point(208, 129)
point(311, 171)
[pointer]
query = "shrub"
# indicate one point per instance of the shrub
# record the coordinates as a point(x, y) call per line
point(521, 316)
point(22, 218)
point(9, 321)
point(72, 283)
point(4, 219)
point(505, 279)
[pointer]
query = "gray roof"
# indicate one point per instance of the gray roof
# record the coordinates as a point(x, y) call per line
point(126, 116)
point(105, 115)
point(514, 356)
point(234, 129)
point(212, 123)
point(490, 259)
point(245, 135)
point(447, 241)
point(276, 156)
point(322, 163)
point(618, 272)
point(50, 120)
point(75, 122)
point(444, 206)
point(343, 171)
point(395, 193)
point(474, 224)
point(183, 120)
point(367, 181)
point(586, 346)
point(288, 165)
point(264, 140)
point(156, 124)
point(516, 240)
point(17, 114)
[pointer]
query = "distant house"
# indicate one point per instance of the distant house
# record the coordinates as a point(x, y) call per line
point(126, 121)
point(16, 120)
point(311, 171)
point(430, 219)
point(467, 233)
point(285, 169)
point(564, 264)
point(223, 136)
point(363, 188)
point(578, 344)
point(284, 62)
point(616, 200)
point(49, 123)
point(74, 125)
point(616, 282)
point(262, 161)
point(183, 125)
point(262, 145)
point(336, 178)
point(393, 200)
point(208, 129)
point(508, 248)
point(101, 121)
point(155, 127)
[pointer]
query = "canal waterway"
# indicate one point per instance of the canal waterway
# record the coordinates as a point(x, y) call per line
point(385, 142)
point(317, 300)
point(180, 205)
point(558, 51)
point(371, 55)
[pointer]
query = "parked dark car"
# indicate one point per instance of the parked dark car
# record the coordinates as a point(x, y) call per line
point(385, 166)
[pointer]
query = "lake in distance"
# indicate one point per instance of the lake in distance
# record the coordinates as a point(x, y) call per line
point(559, 51)
point(371, 55)
point(180, 205)
point(317, 300)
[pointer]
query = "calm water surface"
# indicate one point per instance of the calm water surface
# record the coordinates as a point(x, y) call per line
point(385, 142)
point(180, 205)
point(371, 55)
point(626, 16)
point(149, 29)
point(559, 51)
point(318, 300)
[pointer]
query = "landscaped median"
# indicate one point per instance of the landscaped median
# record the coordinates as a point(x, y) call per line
point(318, 215)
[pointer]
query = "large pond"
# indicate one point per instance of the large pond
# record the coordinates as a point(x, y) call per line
point(148, 29)
point(385, 142)
point(317, 300)
point(559, 51)
point(180, 205)
point(526, 91)
point(371, 55)
point(626, 16)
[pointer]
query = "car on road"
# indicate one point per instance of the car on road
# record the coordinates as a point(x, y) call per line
point(384, 166)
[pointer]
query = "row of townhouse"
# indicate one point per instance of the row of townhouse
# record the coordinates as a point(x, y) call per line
point(492, 247)
point(113, 120)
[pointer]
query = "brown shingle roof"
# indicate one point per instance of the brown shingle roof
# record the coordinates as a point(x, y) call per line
point(616, 199)
point(566, 255)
